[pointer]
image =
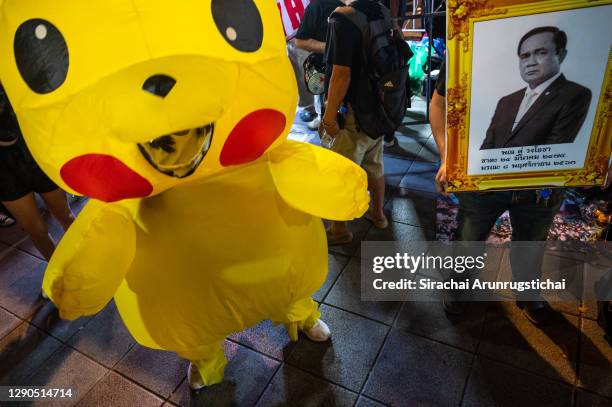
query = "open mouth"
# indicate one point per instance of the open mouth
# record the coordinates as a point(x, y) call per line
point(178, 154)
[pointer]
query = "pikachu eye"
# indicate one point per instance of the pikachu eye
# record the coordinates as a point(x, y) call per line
point(239, 22)
point(41, 54)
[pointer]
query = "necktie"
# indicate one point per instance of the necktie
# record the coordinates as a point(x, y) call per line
point(528, 100)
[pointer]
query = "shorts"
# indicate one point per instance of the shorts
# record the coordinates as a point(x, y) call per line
point(20, 175)
point(359, 148)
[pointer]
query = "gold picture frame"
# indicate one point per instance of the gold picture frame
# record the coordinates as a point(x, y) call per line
point(462, 15)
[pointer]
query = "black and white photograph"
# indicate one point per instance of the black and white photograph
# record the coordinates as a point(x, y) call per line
point(540, 116)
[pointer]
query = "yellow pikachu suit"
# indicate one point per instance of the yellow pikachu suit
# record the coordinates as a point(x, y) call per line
point(172, 117)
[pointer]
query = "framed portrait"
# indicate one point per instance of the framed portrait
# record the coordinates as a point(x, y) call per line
point(529, 98)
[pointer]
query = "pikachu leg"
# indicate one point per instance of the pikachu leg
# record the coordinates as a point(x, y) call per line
point(207, 365)
point(301, 316)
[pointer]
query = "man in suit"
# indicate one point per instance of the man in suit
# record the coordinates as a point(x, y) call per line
point(551, 110)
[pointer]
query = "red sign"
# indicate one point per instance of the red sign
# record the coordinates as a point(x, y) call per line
point(291, 12)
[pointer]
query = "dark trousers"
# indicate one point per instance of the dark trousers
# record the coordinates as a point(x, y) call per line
point(531, 221)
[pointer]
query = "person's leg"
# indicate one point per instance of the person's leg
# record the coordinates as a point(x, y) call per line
point(29, 217)
point(338, 228)
point(376, 186)
point(531, 221)
point(318, 102)
point(297, 57)
point(57, 202)
point(373, 165)
point(477, 215)
point(347, 144)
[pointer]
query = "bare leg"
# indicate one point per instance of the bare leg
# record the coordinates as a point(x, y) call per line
point(57, 202)
point(29, 217)
point(376, 186)
point(339, 228)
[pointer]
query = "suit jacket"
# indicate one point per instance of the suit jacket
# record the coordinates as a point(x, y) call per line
point(555, 117)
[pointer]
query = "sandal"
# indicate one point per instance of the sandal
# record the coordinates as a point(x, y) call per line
point(338, 239)
point(378, 223)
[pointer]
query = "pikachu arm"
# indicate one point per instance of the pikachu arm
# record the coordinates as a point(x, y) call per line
point(91, 260)
point(318, 181)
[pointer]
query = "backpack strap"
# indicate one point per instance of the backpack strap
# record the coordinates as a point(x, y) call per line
point(354, 16)
point(374, 29)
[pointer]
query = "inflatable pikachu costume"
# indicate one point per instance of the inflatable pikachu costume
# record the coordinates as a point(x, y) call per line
point(172, 116)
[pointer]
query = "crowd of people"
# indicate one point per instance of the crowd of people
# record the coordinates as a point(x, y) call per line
point(531, 210)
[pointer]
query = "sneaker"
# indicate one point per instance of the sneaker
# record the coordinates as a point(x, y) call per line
point(7, 139)
point(390, 143)
point(455, 302)
point(319, 332)
point(193, 376)
point(452, 306)
point(307, 116)
point(5, 220)
point(314, 125)
point(343, 238)
point(538, 312)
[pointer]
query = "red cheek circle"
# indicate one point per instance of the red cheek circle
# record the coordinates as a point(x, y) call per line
point(252, 136)
point(104, 178)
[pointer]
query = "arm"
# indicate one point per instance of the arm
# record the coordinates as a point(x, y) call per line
point(608, 180)
point(570, 118)
point(91, 260)
point(394, 6)
point(318, 181)
point(338, 86)
point(310, 45)
point(437, 119)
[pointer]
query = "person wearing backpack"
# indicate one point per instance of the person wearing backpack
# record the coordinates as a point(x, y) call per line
point(311, 37)
point(367, 73)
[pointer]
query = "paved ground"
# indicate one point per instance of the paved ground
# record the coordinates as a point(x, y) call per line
point(381, 353)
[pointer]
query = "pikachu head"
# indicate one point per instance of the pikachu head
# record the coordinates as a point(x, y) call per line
point(121, 99)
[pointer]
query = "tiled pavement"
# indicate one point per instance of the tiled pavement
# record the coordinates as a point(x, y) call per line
point(380, 354)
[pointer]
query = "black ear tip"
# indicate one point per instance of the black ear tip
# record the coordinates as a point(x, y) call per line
point(41, 54)
point(239, 22)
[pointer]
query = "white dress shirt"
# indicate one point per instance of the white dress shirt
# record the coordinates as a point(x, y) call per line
point(531, 95)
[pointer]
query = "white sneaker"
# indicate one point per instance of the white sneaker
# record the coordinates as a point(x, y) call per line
point(314, 125)
point(193, 376)
point(319, 332)
point(389, 143)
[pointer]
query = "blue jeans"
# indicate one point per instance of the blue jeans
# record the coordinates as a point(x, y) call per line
point(530, 221)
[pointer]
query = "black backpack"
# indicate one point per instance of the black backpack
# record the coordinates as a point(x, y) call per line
point(383, 92)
